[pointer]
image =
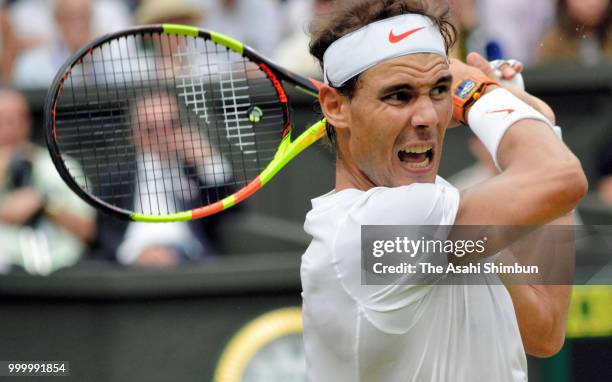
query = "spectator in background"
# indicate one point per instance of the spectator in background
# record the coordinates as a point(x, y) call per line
point(256, 23)
point(37, 68)
point(296, 16)
point(166, 245)
point(293, 52)
point(34, 19)
point(465, 19)
point(74, 20)
point(169, 11)
point(511, 28)
point(581, 34)
point(43, 224)
point(181, 168)
point(11, 44)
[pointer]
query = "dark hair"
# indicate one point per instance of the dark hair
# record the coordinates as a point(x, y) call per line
point(351, 15)
point(570, 26)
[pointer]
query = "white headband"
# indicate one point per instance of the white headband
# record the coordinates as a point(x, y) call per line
point(382, 40)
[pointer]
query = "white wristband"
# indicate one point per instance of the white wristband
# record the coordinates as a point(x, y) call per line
point(519, 83)
point(494, 113)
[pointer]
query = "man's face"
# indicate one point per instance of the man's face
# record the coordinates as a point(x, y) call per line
point(397, 120)
point(156, 120)
point(73, 19)
point(588, 12)
point(14, 119)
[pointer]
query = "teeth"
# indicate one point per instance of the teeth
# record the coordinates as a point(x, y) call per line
point(423, 164)
point(418, 149)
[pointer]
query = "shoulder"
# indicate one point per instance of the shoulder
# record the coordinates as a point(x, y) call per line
point(416, 204)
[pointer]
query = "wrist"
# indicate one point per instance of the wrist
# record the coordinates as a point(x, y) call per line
point(495, 113)
point(487, 90)
point(467, 92)
point(491, 88)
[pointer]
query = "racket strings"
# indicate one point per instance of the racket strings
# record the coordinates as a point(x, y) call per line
point(159, 124)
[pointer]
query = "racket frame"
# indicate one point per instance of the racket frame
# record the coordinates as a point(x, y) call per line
point(287, 149)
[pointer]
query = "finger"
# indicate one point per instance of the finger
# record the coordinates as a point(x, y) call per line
point(515, 64)
point(476, 60)
point(510, 68)
point(508, 72)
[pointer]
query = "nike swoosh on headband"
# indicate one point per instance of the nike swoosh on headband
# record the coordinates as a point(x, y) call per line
point(345, 58)
point(394, 39)
point(509, 111)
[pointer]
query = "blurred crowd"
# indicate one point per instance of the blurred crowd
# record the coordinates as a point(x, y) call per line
point(37, 36)
point(43, 33)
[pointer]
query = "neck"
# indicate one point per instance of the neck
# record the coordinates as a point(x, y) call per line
point(349, 176)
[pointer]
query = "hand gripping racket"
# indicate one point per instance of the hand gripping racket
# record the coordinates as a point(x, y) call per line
point(171, 123)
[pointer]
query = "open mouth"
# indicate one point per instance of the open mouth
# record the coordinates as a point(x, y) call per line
point(417, 157)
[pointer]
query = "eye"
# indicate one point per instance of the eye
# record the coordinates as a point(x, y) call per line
point(439, 90)
point(398, 97)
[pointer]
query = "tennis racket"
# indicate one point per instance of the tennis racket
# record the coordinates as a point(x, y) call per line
point(171, 123)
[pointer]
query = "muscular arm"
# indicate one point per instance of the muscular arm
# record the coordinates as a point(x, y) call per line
point(541, 313)
point(541, 309)
point(541, 181)
point(531, 191)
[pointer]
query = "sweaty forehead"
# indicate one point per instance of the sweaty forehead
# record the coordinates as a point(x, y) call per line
point(417, 69)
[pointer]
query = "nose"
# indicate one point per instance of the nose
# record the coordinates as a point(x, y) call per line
point(424, 114)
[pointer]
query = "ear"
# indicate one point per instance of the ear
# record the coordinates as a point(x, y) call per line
point(334, 106)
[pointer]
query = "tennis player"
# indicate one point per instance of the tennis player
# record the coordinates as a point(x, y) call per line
point(388, 99)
